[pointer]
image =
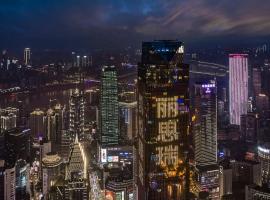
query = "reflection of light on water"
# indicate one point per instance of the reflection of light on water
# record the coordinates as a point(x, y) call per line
point(30, 101)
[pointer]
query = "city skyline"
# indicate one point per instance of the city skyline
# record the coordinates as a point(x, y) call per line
point(134, 100)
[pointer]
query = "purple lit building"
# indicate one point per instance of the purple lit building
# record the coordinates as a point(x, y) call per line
point(238, 86)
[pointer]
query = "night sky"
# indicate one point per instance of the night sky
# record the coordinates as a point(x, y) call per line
point(91, 24)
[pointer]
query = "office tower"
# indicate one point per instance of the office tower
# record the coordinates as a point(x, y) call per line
point(51, 164)
point(205, 139)
point(17, 145)
point(262, 104)
point(109, 107)
point(163, 121)
point(37, 125)
point(128, 119)
point(249, 127)
point(76, 173)
point(238, 86)
point(205, 125)
point(76, 114)
point(256, 81)
point(10, 184)
point(27, 56)
point(22, 169)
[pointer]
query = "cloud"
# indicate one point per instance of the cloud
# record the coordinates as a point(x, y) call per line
point(86, 22)
point(208, 18)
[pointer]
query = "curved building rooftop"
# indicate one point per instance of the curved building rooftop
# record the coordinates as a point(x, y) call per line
point(51, 160)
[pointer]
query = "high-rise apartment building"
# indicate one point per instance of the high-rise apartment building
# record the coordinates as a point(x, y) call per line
point(238, 86)
point(27, 56)
point(85, 61)
point(163, 121)
point(8, 121)
point(109, 107)
point(37, 124)
point(8, 118)
point(205, 125)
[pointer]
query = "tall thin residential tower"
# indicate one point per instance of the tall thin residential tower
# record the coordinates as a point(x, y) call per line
point(163, 121)
point(27, 56)
point(109, 107)
point(238, 86)
point(76, 114)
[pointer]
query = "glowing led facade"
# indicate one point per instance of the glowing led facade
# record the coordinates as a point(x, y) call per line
point(238, 86)
point(109, 107)
point(163, 119)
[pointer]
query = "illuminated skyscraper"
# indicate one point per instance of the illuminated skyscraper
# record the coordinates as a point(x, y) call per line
point(27, 56)
point(109, 107)
point(76, 173)
point(163, 121)
point(51, 165)
point(205, 127)
point(76, 114)
point(238, 86)
point(205, 137)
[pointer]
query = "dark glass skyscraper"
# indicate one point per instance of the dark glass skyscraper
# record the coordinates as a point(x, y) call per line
point(109, 107)
point(205, 125)
point(163, 121)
